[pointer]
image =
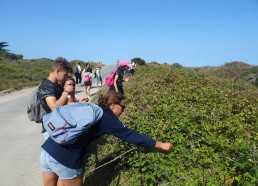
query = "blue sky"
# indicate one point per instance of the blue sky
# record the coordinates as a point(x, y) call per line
point(192, 33)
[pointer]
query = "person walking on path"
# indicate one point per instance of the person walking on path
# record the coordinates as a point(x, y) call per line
point(66, 161)
point(87, 78)
point(78, 74)
point(119, 77)
point(133, 67)
point(98, 76)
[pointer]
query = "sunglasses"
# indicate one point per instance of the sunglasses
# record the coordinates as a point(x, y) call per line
point(122, 106)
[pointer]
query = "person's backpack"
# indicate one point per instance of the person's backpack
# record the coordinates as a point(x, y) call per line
point(66, 123)
point(76, 69)
point(110, 78)
point(35, 111)
point(86, 77)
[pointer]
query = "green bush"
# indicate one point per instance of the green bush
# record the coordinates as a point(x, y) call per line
point(138, 61)
point(23, 73)
point(211, 120)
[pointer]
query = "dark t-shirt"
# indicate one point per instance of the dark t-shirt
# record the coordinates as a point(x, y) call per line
point(120, 78)
point(47, 89)
point(89, 69)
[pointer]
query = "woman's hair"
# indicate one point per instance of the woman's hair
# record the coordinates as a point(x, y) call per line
point(121, 68)
point(70, 78)
point(62, 64)
point(110, 98)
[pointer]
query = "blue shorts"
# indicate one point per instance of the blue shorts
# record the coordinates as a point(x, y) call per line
point(99, 78)
point(50, 165)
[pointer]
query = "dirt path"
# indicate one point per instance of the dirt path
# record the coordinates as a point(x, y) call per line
point(20, 139)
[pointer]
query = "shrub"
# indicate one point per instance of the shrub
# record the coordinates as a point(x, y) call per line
point(211, 120)
point(138, 61)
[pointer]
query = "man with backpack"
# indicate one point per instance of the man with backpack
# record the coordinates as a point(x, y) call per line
point(50, 91)
point(78, 74)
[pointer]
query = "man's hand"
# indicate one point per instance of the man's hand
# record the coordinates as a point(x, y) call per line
point(69, 89)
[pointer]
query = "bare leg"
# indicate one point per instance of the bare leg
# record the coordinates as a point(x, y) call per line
point(50, 179)
point(85, 89)
point(74, 182)
point(60, 182)
point(88, 91)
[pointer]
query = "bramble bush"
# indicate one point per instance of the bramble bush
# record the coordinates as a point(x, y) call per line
point(212, 121)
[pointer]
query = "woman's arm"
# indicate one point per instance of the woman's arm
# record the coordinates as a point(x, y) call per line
point(115, 82)
point(113, 126)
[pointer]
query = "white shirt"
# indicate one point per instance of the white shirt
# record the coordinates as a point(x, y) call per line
point(98, 72)
point(79, 68)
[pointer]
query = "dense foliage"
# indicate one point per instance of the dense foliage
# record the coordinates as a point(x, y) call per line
point(138, 61)
point(235, 70)
point(213, 122)
point(17, 74)
point(22, 73)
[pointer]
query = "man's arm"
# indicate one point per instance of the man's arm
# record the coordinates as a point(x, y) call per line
point(52, 102)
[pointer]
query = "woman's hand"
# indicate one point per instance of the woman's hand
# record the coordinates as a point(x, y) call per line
point(166, 146)
point(83, 99)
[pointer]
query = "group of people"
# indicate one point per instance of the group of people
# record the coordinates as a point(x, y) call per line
point(63, 164)
point(86, 75)
point(124, 69)
point(131, 69)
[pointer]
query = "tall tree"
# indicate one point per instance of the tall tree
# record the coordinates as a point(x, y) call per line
point(2, 46)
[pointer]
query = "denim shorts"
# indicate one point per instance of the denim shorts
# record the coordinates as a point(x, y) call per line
point(45, 135)
point(50, 165)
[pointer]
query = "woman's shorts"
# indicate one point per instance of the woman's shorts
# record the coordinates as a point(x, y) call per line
point(99, 78)
point(50, 165)
point(87, 83)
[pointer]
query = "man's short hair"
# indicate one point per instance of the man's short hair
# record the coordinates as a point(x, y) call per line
point(62, 64)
